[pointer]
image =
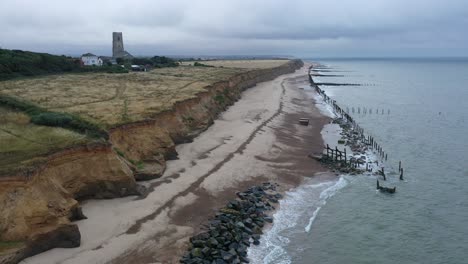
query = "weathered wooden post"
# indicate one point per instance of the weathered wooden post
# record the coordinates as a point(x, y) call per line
point(345, 155)
point(399, 166)
point(401, 174)
point(328, 156)
point(336, 152)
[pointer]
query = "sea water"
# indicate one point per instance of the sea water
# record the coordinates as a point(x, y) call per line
point(417, 110)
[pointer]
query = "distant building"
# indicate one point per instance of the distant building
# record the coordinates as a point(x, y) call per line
point(90, 59)
point(118, 50)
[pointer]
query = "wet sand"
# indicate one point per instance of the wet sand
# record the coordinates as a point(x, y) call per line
point(257, 139)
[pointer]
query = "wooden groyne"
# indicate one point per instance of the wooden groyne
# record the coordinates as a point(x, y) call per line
point(366, 139)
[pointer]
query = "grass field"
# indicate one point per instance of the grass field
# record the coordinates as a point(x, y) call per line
point(110, 99)
point(22, 144)
point(242, 64)
point(102, 99)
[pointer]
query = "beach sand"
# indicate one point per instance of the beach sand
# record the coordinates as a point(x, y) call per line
point(257, 139)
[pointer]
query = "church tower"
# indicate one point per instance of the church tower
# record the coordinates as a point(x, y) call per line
point(117, 45)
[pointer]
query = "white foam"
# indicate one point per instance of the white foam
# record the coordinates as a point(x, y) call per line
point(312, 219)
point(329, 90)
point(299, 204)
point(324, 108)
point(317, 79)
point(324, 196)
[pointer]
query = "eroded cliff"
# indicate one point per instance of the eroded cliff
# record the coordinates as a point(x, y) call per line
point(38, 207)
point(152, 142)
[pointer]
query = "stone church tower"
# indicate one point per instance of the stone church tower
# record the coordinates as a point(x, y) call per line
point(118, 50)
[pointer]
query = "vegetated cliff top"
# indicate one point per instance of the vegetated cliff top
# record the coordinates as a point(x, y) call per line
point(108, 99)
point(22, 144)
point(18, 63)
point(242, 64)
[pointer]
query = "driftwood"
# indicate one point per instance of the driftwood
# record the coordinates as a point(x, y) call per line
point(382, 172)
point(385, 189)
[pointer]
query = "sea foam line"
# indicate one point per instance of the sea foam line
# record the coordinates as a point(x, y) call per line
point(324, 196)
point(295, 206)
point(324, 108)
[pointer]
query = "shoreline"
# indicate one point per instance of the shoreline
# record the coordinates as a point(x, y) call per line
point(303, 203)
point(163, 236)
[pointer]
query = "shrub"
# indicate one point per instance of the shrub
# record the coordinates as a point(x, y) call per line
point(219, 98)
point(16, 104)
point(120, 61)
point(52, 119)
point(198, 64)
point(156, 61)
point(105, 68)
point(43, 117)
point(17, 63)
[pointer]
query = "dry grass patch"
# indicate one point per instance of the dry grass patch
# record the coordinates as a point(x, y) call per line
point(22, 144)
point(243, 64)
point(110, 99)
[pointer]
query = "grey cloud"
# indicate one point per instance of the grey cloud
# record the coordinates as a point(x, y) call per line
point(299, 27)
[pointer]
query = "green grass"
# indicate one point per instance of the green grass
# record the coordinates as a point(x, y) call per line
point(140, 165)
point(119, 152)
point(41, 116)
point(24, 144)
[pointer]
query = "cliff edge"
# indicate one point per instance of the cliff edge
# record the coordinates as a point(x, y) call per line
point(39, 207)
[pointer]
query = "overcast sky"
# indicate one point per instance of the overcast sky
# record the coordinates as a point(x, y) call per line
point(303, 28)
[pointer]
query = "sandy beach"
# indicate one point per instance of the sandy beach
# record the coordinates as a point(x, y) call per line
point(257, 139)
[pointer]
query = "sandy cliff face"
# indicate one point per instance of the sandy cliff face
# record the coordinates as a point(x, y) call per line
point(38, 208)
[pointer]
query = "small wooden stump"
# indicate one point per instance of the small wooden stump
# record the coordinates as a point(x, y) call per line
point(304, 121)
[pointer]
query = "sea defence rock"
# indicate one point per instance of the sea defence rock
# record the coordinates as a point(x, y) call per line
point(234, 228)
point(38, 206)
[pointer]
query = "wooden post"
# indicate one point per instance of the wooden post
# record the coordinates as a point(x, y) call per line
point(401, 174)
point(345, 155)
point(336, 152)
point(399, 166)
point(327, 151)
